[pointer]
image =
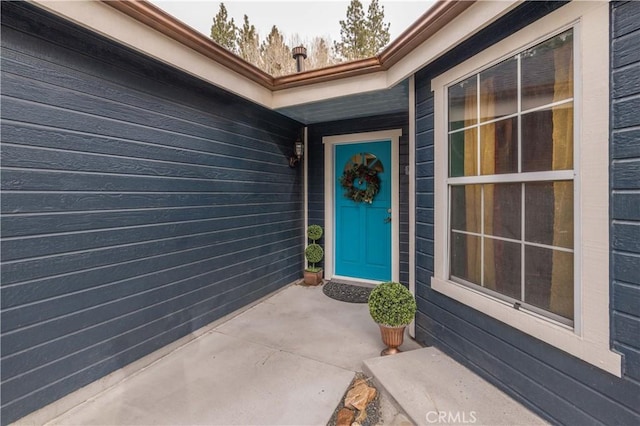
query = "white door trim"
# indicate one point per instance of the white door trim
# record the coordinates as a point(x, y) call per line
point(329, 193)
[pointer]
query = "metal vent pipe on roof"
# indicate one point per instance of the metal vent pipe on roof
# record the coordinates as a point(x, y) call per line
point(299, 54)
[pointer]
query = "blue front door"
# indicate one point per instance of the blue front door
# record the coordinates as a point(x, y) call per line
point(363, 230)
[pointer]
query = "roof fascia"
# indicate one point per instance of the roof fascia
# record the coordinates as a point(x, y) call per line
point(434, 19)
point(164, 38)
point(329, 89)
point(451, 31)
point(422, 29)
point(159, 20)
point(455, 30)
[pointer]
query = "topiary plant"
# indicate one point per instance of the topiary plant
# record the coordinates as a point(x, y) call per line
point(392, 304)
point(314, 252)
point(314, 232)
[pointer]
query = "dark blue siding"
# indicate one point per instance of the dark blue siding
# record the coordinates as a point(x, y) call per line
point(316, 170)
point(558, 386)
point(625, 184)
point(138, 205)
point(425, 224)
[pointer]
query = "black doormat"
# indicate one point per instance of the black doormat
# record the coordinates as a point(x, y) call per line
point(347, 292)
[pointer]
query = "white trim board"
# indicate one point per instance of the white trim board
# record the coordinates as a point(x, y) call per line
point(589, 338)
point(412, 194)
point(329, 195)
point(305, 193)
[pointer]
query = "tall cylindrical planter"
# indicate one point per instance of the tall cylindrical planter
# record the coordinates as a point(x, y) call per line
point(392, 337)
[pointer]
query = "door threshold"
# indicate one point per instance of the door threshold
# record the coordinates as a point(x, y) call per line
point(355, 281)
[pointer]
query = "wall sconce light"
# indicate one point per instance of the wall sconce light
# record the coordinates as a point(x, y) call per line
point(298, 150)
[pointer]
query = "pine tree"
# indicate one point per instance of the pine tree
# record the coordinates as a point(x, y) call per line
point(276, 55)
point(362, 37)
point(224, 31)
point(273, 54)
point(352, 33)
point(377, 30)
point(249, 44)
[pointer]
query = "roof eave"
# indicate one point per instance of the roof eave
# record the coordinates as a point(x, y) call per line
point(154, 17)
point(434, 19)
point(441, 13)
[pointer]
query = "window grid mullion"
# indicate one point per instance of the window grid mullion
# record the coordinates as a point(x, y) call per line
point(479, 173)
point(519, 119)
point(522, 245)
point(482, 235)
point(514, 115)
point(511, 240)
point(522, 203)
point(478, 159)
point(449, 229)
point(552, 175)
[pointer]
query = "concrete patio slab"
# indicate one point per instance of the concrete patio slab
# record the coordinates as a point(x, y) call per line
point(432, 388)
point(304, 321)
point(287, 360)
point(220, 380)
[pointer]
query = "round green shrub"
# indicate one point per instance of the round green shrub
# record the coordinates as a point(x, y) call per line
point(314, 232)
point(314, 253)
point(392, 304)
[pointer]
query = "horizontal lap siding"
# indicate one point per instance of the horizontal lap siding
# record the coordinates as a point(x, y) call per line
point(316, 170)
point(559, 387)
point(625, 183)
point(138, 205)
point(424, 199)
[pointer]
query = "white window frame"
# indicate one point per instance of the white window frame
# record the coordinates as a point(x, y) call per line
point(518, 177)
point(589, 338)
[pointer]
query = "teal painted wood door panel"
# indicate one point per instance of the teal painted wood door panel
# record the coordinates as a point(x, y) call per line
point(363, 231)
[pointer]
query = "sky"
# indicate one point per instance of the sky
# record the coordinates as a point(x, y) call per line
point(304, 17)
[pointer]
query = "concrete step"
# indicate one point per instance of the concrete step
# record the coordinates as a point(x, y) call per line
point(432, 388)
